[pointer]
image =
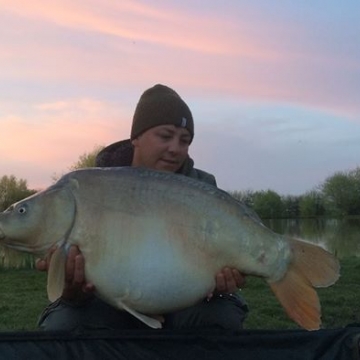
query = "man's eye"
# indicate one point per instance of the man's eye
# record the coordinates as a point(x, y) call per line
point(165, 137)
point(185, 141)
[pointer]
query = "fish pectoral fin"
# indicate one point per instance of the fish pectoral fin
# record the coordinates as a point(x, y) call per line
point(149, 321)
point(56, 274)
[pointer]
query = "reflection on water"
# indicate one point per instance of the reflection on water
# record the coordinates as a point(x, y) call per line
point(340, 236)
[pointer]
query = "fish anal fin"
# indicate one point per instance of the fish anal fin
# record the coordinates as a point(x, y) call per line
point(298, 298)
point(319, 266)
point(153, 322)
point(56, 274)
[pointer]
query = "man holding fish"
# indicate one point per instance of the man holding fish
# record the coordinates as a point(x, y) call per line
point(161, 133)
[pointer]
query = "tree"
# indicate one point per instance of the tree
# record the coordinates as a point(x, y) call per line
point(341, 194)
point(246, 197)
point(355, 175)
point(312, 204)
point(87, 159)
point(268, 204)
point(291, 206)
point(12, 190)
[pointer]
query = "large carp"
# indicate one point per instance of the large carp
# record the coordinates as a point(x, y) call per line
point(154, 241)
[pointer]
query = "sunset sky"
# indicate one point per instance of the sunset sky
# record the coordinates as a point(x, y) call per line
point(274, 86)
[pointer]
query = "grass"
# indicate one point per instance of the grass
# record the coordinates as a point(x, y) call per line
point(23, 297)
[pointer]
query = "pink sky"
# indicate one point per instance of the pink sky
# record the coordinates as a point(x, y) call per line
point(72, 73)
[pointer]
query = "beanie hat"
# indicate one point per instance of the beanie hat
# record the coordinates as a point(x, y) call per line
point(161, 105)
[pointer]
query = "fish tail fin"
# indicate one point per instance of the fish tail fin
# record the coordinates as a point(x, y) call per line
point(312, 266)
point(318, 265)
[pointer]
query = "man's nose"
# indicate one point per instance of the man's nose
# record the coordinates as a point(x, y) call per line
point(174, 146)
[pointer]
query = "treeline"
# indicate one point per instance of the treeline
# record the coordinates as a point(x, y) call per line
point(338, 196)
point(12, 190)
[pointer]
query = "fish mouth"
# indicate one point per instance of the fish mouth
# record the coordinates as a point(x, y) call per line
point(19, 247)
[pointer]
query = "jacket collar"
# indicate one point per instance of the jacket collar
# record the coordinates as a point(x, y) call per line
point(121, 153)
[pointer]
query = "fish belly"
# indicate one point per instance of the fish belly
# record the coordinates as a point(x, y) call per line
point(156, 277)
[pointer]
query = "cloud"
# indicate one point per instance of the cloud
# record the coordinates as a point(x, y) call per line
point(282, 80)
point(56, 134)
point(275, 57)
point(130, 20)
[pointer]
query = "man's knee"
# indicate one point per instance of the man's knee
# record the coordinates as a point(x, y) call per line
point(224, 311)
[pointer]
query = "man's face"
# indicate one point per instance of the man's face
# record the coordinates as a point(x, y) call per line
point(163, 147)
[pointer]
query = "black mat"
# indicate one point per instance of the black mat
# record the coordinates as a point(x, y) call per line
point(159, 344)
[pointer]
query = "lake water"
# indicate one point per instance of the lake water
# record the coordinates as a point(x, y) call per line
point(340, 236)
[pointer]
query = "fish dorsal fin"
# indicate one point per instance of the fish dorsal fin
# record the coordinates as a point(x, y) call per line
point(56, 274)
point(153, 323)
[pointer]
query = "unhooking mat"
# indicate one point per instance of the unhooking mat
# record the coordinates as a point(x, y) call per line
point(330, 344)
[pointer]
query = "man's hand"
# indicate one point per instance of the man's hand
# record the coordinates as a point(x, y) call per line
point(228, 281)
point(76, 288)
point(43, 264)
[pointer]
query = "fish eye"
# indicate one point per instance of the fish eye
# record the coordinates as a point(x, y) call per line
point(22, 210)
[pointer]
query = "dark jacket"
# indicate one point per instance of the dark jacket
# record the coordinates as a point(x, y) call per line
point(121, 154)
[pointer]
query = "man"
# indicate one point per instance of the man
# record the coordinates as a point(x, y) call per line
point(162, 131)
